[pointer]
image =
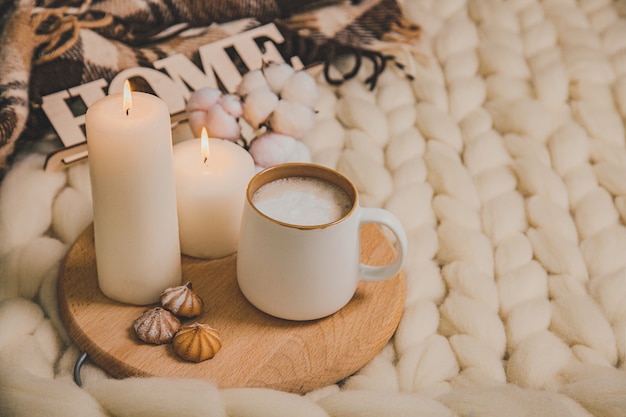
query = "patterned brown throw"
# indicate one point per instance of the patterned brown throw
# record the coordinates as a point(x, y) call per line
point(48, 46)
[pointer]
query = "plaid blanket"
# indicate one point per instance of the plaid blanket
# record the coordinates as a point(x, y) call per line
point(49, 45)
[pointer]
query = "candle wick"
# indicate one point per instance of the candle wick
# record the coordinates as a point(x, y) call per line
point(205, 160)
point(127, 111)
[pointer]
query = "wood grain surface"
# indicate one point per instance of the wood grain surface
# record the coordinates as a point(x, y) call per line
point(258, 350)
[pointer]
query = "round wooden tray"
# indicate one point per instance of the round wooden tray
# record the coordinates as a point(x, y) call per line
point(258, 350)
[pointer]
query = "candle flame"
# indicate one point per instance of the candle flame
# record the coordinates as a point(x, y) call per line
point(204, 147)
point(128, 99)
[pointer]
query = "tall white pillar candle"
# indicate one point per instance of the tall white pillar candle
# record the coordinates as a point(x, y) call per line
point(134, 197)
point(210, 192)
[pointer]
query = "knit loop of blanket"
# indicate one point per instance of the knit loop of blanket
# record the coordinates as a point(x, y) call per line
point(505, 160)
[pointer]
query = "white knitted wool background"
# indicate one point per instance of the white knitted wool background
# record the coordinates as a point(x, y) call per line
point(505, 159)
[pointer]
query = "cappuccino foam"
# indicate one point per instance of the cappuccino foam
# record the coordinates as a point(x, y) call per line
point(303, 201)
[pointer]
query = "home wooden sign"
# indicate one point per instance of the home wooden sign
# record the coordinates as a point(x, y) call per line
point(173, 79)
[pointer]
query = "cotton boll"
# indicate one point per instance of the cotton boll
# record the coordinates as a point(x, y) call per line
point(251, 80)
point(276, 75)
point(291, 118)
point(203, 98)
point(511, 253)
point(258, 105)
point(231, 103)
point(578, 319)
point(220, 124)
point(300, 88)
point(526, 318)
point(271, 149)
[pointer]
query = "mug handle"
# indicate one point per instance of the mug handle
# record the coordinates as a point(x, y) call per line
point(388, 219)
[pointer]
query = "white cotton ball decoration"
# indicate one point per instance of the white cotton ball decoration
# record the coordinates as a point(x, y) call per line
point(301, 88)
point(276, 75)
point(251, 80)
point(291, 118)
point(203, 98)
point(220, 124)
point(231, 103)
point(258, 105)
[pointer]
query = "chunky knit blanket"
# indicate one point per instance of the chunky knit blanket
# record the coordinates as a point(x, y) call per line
point(504, 155)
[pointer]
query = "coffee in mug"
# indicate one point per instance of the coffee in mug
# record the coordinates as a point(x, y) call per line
point(299, 244)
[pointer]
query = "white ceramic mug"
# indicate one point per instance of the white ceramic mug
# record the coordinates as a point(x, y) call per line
point(307, 271)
